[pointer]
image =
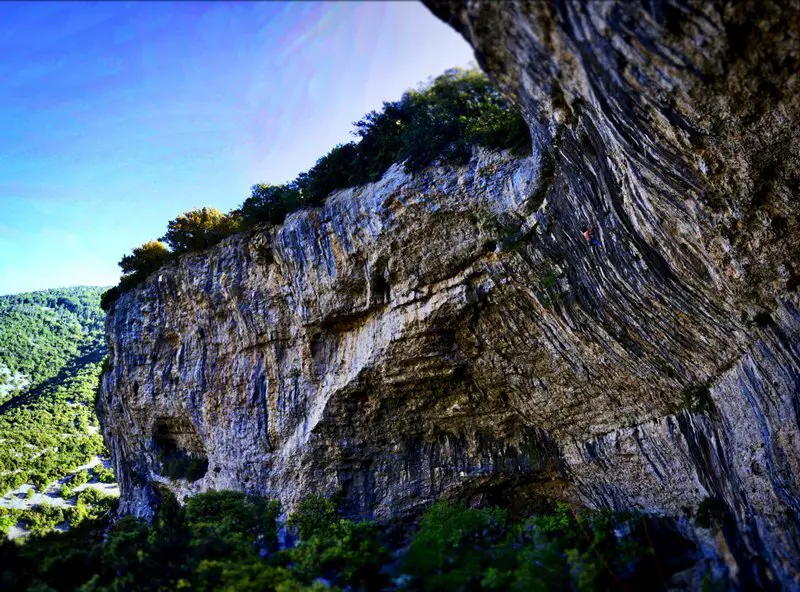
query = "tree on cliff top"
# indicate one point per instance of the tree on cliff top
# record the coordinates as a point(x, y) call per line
point(270, 203)
point(199, 229)
point(136, 267)
point(441, 121)
point(147, 258)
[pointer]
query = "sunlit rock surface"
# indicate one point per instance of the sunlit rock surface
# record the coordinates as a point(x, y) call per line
point(454, 334)
point(342, 352)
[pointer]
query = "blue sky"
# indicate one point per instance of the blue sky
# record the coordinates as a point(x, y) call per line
point(116, 117)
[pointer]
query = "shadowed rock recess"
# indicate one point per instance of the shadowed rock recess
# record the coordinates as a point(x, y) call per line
point(453, 334)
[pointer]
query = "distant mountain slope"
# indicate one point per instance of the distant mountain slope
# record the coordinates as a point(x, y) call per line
point(41, 332)
point(51, 346)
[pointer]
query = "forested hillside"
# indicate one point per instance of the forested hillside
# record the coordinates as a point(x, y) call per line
point(41, 332)
point(51, 347)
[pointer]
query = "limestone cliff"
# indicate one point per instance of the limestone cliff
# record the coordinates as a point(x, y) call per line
point(336, 353)
point(452, 333)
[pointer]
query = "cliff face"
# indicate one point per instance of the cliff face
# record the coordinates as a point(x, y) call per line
point(334, 354)
point(672, 126)
point(453, 333)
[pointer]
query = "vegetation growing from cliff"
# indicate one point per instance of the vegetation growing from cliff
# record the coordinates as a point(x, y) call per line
point(48, 427)
point(228, 541)
point(440, 121)
point(199, 229)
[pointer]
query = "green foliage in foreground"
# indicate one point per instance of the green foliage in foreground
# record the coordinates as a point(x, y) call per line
point(441, 121)
point(465, 549)
point(228, 541)
point(56, 339)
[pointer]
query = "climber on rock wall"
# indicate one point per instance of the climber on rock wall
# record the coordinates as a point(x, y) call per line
point(587, 234)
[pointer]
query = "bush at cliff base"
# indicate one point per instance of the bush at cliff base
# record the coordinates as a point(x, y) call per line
point(228, 541)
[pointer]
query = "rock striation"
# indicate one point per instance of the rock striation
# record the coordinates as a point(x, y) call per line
point(334, 353)
point(454, 334)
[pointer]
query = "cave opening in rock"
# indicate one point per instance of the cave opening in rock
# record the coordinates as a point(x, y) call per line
point(380, 289)
point(179, 449)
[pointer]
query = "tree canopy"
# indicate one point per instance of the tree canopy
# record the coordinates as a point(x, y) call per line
point(196, 230)
point(441, 121)
point(225, 540)
point(147, 258)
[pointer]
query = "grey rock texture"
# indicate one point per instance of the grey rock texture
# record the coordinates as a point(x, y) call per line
point(453, 334)
point(673, 127)
point(332, 354)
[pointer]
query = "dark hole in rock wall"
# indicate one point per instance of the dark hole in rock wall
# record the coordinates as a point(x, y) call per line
point(763, 319)
point(180, 449)
point(380, 291)
point(793, 282)
point(446, 342)
point(779, 224)
point(264, 254)
point(357, 482)
point(317, 345)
